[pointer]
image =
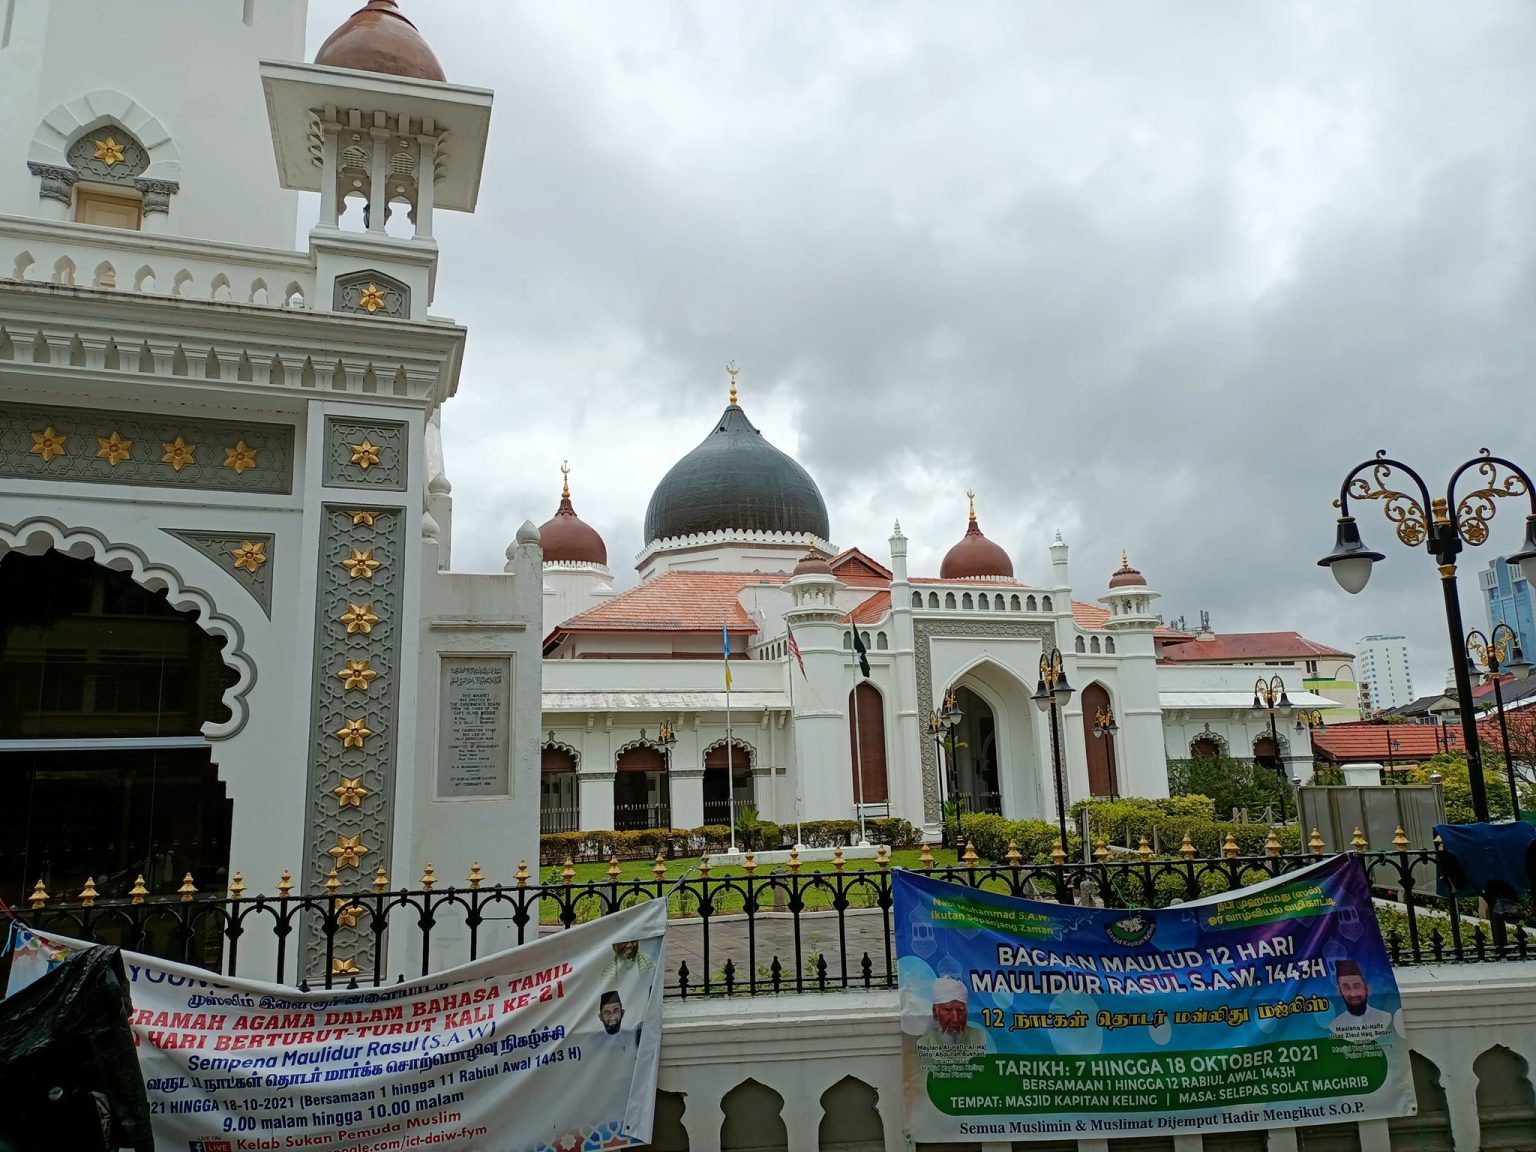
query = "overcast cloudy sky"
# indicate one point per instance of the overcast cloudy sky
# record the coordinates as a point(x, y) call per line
point(1153, 274)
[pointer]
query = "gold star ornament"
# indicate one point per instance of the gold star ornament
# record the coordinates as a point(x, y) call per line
point(345, 965)
point(348, 851)
point(346, 917)
point(365, 455)
point(353, 732)
point(109, 151)
point(363, 516)
point(361, 565)
point(178, 454)
point(372, 299)
point(350, 792)
point(250, 556)
point(359, 618)
point(114, 449)
point(47, 444)
point(241, 457)
point(356, 674)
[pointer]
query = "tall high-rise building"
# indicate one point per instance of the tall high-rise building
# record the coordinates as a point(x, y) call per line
point(1508, 598)
point(1384, 675)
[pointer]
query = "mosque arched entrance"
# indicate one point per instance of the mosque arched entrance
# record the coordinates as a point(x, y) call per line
point(104, 772)
point(976, 753)
point(727, 771)
point(641, 789)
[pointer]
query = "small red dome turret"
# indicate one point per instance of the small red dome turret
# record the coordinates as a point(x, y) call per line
point(1127, 577)
point(975, 557)
point(378, 38)
point(566, 537)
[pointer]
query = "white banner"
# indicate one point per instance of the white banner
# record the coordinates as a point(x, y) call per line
point(550, 1047)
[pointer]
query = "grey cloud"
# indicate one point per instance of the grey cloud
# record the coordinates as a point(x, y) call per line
point(1157, 274)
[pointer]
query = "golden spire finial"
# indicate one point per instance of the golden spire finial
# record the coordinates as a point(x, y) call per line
point(970, 497)
point(1125, 558)
point(565, 479)
point(731, 369)
point(810, 543)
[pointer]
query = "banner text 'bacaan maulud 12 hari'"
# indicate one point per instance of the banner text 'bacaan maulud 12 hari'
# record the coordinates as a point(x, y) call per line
point(549, 1047)
point(1270, 1006)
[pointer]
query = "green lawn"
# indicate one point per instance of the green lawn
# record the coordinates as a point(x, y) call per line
point(589, 885)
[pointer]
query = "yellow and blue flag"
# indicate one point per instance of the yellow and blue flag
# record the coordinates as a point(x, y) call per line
point(725, 647)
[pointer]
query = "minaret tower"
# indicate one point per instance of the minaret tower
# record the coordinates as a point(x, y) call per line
point(576, 572)
point(375, 128)
point(1142, 761)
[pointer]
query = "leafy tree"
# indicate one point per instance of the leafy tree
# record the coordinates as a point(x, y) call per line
point(1456, 785)
point(1230, 783)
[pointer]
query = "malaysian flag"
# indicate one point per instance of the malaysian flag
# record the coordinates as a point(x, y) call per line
point(794, 650)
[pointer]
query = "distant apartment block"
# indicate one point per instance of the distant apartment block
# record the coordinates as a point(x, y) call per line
point(1507, 596)
point(1384, 676)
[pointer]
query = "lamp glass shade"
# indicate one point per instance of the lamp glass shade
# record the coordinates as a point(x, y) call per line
point(1352, 574)
point(1042, 698)
point(1284, 707)
point(1062, 692)
point(1526, 556)
point(1517, 665)
point(1258, 705)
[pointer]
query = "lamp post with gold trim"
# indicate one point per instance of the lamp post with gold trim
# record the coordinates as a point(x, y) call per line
point(941, 726)
point(1500, 653)
point(665, 738)
point(1270, 697)
point(1442, 525)
point(1104, 727)
point(1051, 694)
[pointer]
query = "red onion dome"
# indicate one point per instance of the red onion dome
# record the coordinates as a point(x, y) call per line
point(1127, 577)
point(378, 38)
point(975, 557)
point(567, 537)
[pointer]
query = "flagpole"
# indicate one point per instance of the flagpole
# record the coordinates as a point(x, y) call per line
point(730, 770)
point(858, 756)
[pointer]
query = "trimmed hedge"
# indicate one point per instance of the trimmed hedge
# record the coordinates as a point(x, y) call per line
point(1165, 821)
point(991, 834)
point(644, 843)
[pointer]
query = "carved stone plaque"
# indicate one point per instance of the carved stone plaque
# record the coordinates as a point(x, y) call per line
point(474, 744)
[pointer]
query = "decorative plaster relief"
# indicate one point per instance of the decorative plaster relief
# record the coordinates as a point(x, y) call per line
point(924, 632)
point(246, 556)
point(354, 719)
point(108, 155)
point(373, 294)
point(365, 454)
point(81, 444)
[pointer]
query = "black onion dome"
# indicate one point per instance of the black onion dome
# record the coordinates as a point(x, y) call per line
point(735, 479)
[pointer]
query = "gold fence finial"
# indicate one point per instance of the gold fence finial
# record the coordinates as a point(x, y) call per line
point(237, 886)
point(285, 885)
point(380, 879)
point(476, 877)
point(187, 889)
point(88, 893)
point(522, 874)
point(428, 878)
point(39, 895)
point(138, 891)
point(1315, 842)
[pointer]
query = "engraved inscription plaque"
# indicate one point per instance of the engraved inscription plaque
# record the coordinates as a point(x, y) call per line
point(474, 745)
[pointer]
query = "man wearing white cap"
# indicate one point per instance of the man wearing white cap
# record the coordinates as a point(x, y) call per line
point(950, 1036)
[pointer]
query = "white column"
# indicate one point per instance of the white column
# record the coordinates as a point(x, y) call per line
point(328, 218)
point(426, 189)
point(687, 796)
point(596, 800)
point(378, 186)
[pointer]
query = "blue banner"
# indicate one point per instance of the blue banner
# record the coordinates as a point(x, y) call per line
point(1269, 1006)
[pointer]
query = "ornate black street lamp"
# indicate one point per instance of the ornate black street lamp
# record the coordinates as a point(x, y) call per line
point(665, 738)
point(942, 725)
point(1442, 525)
point(1270, 697)
point(1051, 695)
point(1104, 727)
point(1501, 653)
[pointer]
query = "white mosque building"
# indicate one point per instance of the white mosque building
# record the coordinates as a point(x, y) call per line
point(231, 635)
point(639, 729)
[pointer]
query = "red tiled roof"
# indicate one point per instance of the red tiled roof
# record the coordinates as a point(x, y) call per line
point(1092, 616)
point(1366, 742)
point(1230, 646)
point(853, 567)
point(871, 610)
point(676, 601)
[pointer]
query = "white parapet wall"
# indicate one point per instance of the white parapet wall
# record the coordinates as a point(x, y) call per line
point(811, 1072)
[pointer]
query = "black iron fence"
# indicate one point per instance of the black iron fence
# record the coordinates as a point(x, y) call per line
point(765, 931)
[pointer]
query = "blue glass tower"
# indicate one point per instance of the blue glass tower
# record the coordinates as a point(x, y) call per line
point(1508, 597)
